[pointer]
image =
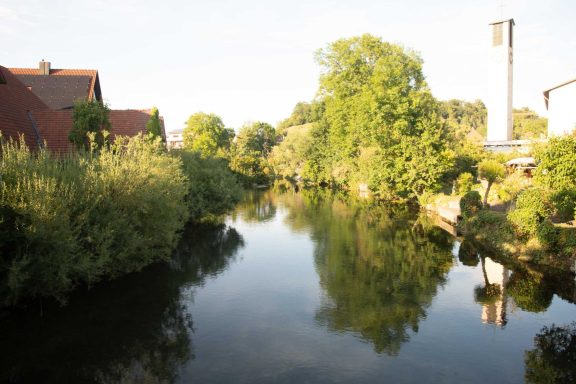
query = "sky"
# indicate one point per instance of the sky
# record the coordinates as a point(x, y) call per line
point(253, 60)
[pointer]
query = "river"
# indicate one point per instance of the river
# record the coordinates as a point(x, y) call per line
point(302, 288)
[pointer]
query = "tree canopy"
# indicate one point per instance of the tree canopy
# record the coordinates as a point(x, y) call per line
point(207, 134)
point(381, 123)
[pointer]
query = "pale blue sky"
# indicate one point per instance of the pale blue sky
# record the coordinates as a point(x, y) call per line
point(254, 59)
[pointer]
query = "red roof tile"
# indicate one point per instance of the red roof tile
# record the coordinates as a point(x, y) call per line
point(15, 102)
point(55, 126)
point(28, 74)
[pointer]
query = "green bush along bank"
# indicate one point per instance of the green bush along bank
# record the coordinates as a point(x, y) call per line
point(94, 215)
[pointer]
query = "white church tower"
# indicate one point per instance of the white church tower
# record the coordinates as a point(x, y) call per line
point(499, 101)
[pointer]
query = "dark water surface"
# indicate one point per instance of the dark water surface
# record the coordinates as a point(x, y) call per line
point(302, 288)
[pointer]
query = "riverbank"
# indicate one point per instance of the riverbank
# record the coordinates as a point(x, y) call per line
point(74, 220)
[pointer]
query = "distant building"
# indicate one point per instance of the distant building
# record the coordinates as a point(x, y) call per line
point(174, 140)
point(499, 101)
point(38, 103)
point(561, 105)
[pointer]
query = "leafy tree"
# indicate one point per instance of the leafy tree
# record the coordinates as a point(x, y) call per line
point(528, 125)
point(90, 117)
point(257, 136)
point(492, 171)
point(377, 103)
point(290, 156)
point(303, 113)
point(556, 163)
point(250, 149)
point(153, 126)
point(206, 134)
point(464, 119)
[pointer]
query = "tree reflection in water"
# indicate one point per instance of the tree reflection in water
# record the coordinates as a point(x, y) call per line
point(553, 359)
point(379, 272)
point(132, 330)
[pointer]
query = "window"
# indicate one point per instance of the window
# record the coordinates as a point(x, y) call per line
point(497, 34)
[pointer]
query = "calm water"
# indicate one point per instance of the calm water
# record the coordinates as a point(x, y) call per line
point(300, 288)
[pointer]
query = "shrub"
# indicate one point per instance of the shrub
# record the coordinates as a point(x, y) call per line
point(89, 216)
point(556, 163)
point(470, 203)
point(564, 202)
point(213, 189)
point(464, 183)
point(547, 234)
point(533, 206)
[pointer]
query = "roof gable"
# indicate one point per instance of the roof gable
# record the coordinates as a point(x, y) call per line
point(16, 101)
point(61, 87)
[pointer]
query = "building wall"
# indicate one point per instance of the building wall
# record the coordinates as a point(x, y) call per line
point(499, 102)
point(175, 140)
point(562, 110)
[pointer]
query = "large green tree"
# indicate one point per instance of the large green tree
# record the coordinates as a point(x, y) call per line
point(250, 149)
point(207, 134)
point(378, 107)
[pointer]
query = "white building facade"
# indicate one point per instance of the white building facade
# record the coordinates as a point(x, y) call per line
point(561, 104)
point(499, 102)
point(174, 140)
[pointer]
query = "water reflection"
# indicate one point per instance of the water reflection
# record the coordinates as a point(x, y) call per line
point(530, 289)
point(553, 359)
point(133, 330)
point(379, 273)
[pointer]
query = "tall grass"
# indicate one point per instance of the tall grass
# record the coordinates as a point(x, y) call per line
point(94, 215)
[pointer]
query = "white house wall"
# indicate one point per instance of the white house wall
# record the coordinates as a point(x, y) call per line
point(562, 110)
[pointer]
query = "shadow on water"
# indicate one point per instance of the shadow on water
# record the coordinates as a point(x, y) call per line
point(134, 329)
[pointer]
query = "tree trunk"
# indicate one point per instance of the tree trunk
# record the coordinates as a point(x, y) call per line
point(485, 202)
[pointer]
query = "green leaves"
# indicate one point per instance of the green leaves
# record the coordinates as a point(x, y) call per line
point(206, 134)
point(89, 117)
point(383, 123)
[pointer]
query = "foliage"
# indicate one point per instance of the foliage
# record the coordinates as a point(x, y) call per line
point(464, 119)
point(249, 151)
point(86, 217)
point(205, 133)
point(548, 234)
point(528, 125)
point(556, 163)
point(78, 219)
point(213, 190)
point(564, 202)
point(303, 113)
point(89, 117)
point(290, 156)
point(533, 207)
point(464, 183)
point(378, 105)
point(492, 171)
point(553, 359)
point(153, 126)
point(470, 204)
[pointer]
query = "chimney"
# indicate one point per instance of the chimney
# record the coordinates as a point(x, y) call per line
point(44, 67)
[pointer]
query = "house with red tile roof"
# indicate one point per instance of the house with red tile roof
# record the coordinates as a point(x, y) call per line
point(60, 88)
point(38, 103)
